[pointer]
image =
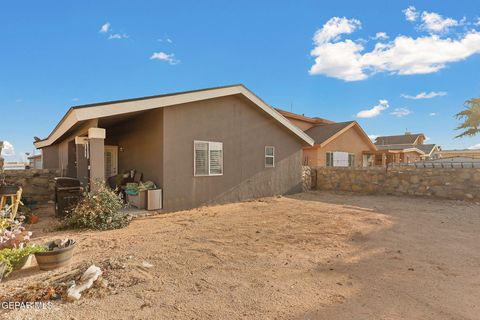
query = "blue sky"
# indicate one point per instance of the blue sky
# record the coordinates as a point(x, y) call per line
point(328, 59)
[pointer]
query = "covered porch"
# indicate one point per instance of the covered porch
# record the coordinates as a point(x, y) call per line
point(383, 158)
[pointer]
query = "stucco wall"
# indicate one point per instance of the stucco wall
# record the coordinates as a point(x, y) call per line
point(37, 184)
point(244, 131)
point(462, 184)
point(350, 141)
point(141, 139)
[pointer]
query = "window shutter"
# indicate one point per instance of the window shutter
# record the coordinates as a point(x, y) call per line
point(201, 158)
point(216, 158)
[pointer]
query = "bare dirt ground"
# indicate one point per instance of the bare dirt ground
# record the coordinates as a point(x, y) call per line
point(309, 256)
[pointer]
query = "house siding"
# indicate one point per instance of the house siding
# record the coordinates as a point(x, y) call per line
point(244, 131)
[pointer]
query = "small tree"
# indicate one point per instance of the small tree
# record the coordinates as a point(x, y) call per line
point(470, 117)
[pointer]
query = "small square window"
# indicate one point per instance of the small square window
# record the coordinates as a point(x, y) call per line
point(269, 157)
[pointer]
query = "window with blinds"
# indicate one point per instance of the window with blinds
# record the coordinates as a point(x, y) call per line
point(208, 158)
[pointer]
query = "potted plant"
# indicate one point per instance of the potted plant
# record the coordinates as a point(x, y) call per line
point(57, 253)
point(15, 249)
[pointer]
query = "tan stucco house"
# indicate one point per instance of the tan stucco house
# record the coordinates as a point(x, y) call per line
point(215, 145)
point(405, 148)
point(336, 144)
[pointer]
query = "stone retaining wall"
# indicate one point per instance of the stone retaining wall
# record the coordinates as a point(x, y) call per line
point(456, 183)
point(37, 184)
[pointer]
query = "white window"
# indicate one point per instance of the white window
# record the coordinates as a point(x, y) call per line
point(208, 158)
point(269, 157)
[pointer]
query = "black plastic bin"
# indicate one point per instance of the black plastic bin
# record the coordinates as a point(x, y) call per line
point(68, 191)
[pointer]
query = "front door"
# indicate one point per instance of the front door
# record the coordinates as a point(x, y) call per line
point(111, 161)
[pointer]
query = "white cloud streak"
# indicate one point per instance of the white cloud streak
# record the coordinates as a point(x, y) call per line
point(435, 23)
point(118, 36)
point(475, 147)
point(404, 55)
point(381, 36)
point(400, 112)
point(432, 114)
point(162, 56)
point(374, 111)
point(411, 14)
point(425, 95)
point(105, 28)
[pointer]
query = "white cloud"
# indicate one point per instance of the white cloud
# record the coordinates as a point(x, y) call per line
point(381, 36)
point(427, 138)
point(373, 137)
point(75, 99)
point(478, 22)
point(400, 112)
point(8, 149)
point(425, 95)
point(105, 28)
point(475, 147)
point(374, 111)
point(118, 36)
point(432, 114)
point(435, 23)
point(404, 55)
point(162, 56)
point(411, 13)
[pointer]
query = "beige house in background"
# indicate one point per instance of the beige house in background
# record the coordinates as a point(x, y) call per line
point(337, 144)
point(207, 146)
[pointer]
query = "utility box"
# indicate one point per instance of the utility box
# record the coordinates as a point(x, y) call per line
point(138, 201)
point(154, 199)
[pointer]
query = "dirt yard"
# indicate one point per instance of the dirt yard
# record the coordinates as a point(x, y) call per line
point(308, 256)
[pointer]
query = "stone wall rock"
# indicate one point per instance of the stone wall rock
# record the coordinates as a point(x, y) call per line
point(37, 184)
point(448, 183)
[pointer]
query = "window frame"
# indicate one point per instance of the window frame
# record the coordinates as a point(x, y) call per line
point(209, 173)
point(351, 160)
point(269, 156)
point(327, 162)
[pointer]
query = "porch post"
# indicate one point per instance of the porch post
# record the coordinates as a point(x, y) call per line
point(96, 137)
point(384, 160)
point(82, 161)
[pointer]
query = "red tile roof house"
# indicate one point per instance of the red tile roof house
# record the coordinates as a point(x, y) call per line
point(208, 146)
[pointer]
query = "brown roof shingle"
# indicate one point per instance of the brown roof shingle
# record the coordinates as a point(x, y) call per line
point(400, 139)
point(323, 132)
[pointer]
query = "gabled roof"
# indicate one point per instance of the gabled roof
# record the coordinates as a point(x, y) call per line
point(325, 133)
point(301, 117)
point(425, 148)
point(400, 139)
point(322, 133)
point(105, 109)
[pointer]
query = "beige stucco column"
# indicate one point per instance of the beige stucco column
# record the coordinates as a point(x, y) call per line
point(96, 143)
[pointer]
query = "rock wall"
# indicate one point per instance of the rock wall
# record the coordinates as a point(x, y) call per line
point(451, 183)
point(37, 184)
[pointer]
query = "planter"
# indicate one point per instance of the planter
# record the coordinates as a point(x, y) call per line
point(32, 219)
point(54, 259)
point(26, 262)
point(8, 189)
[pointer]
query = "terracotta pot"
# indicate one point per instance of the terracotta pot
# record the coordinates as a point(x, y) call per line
point(33, 219)
point(54, 259)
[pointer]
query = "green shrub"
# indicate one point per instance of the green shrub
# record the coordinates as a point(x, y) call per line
point(13, 256)
point(99, 209)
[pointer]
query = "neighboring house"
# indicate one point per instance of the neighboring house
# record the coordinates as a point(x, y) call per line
point(15, 165)
point(206, 146)
point(337, 144)
point(35, 161)
point(406, 148)
point(465, 153)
